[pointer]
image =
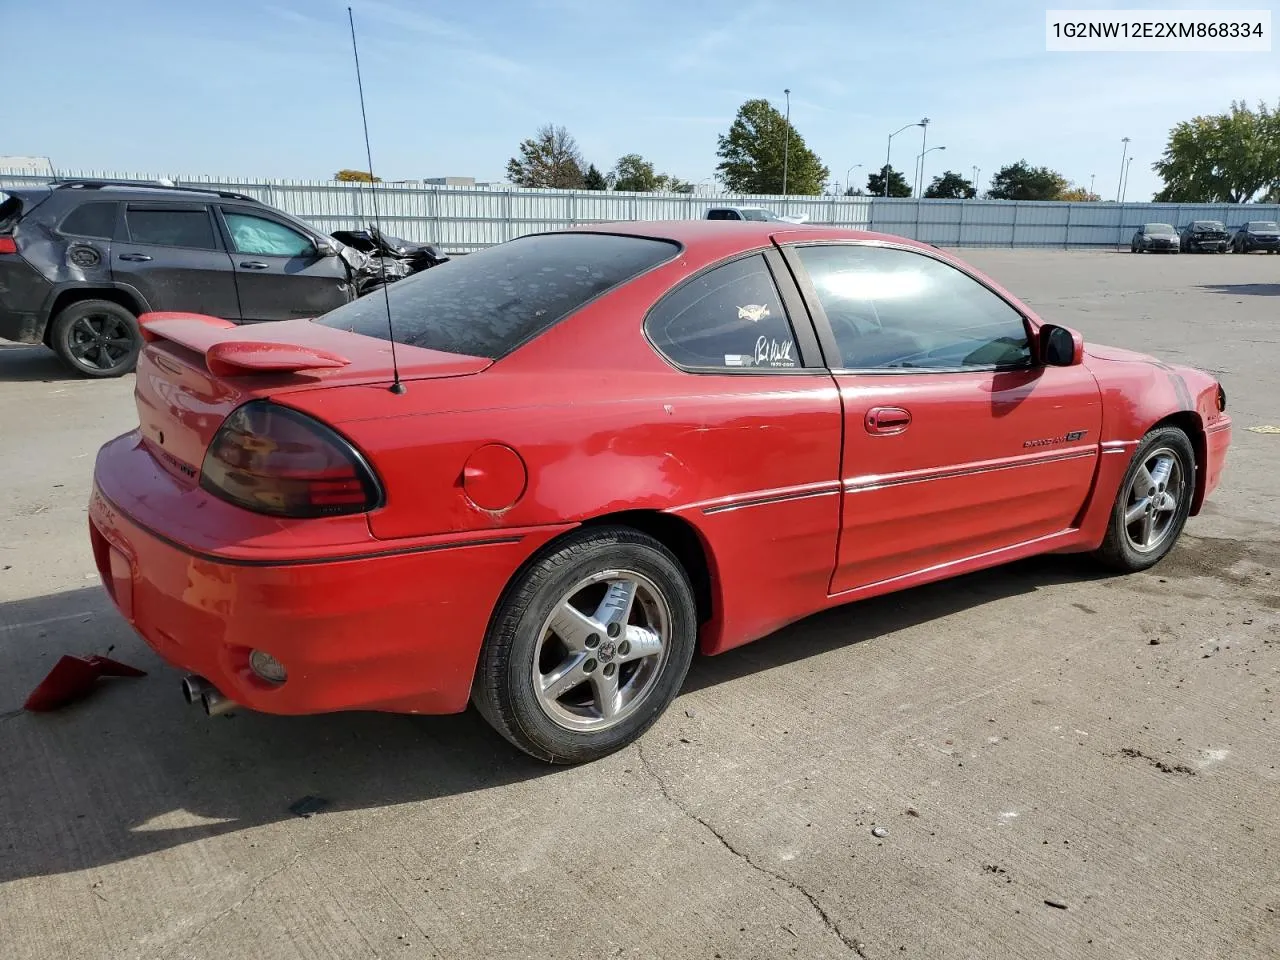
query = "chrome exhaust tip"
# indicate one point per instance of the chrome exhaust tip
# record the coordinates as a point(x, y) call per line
point(194, 687)
point(215, 704)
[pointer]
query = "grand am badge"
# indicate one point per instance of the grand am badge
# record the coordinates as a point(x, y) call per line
point(755, 312)
point(1065, 438)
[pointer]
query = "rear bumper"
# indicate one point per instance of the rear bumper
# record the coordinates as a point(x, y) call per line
point(395, 631)
point(23, 292)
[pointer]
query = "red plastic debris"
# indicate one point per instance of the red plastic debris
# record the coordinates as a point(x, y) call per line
point(72, 678)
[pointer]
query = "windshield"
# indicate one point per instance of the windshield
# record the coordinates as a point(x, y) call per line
point(1158, 228)
point(1206, 225)
point(488, 303)
point(749, 214)
point(1263, 226)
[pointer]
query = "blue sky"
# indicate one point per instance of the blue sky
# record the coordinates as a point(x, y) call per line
point(237, 88)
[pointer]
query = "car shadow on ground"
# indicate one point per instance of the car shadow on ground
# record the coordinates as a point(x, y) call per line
point(133, 769)
point(1243, 289)
point(32, 363)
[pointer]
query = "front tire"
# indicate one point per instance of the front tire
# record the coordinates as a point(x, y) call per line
point(588, 646)
point(1153, 502)
point(97, 338)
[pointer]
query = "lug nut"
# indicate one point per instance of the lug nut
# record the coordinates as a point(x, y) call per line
point(624, 647)
point(589, 665)
point(593, 641)
point(609, 668)
point(614, 629)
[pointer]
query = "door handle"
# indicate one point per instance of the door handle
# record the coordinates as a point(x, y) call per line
point(136, 257)
point(254, 264)
point(887, 420)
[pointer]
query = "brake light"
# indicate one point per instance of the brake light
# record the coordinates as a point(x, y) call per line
point(275, 460)
point(8, 245)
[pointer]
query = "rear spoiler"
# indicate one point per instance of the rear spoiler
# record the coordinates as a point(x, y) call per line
point(228, 356)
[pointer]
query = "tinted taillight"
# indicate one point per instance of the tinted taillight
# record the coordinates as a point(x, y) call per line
point(271, 459)
point(7, 245)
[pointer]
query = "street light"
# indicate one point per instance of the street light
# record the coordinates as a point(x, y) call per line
point(924, 137)
point(886, 154)
point(786, 146)
point(846, 176)
point(1125, 188)
point(1091, 176)
point(1123, 154)
point(920, 166)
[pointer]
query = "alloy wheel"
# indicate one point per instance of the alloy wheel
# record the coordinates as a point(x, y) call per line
point(1153, 499)
point(100, 341)
point(601, 651)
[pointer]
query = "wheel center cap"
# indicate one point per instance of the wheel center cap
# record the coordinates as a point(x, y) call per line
point(606, 651)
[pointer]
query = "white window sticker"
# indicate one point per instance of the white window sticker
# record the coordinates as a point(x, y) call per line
point(755, 312)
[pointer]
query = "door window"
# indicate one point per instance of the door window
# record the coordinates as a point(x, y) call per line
point(729, 318)
point(171, 228)
point(257, 235)
point(895, 309)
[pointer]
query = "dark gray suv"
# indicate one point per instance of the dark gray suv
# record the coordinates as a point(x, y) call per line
point(81, 260)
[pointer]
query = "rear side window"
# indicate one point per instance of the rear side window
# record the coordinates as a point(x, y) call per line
point(487, 304)
point(171, 228)
point(729, 318)
point(722, 215)
point(97, 219)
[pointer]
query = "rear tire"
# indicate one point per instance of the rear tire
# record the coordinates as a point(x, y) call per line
point(573, 667)
point(1152, 504)
point(97, 338)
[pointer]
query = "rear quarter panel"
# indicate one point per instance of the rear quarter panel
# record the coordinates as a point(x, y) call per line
point(602, 425)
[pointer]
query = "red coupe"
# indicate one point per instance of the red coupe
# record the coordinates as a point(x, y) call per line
point(606, 448)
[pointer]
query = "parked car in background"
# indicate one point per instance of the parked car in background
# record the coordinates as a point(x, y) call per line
point(1205, 236)
point(610, 447)
point(758, 214)
point(1154, 238)
point(80, 260)
point(1256, 235)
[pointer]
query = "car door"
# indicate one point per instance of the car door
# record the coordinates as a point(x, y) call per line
point(172, 255)
point(957, 441)
point(279, 273)
point(768, 437)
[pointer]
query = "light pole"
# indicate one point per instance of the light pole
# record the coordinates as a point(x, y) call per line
point(1125, 188)
point(846, 176)
point(1123, 154)
point(886, 154)
point(920, 166)
point(786, 145)
point(1091, 176)
point(924, 138)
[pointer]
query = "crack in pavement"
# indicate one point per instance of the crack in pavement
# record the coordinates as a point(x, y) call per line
point(856, 946)
point(253, 890)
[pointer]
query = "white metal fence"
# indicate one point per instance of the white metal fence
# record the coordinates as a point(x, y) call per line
point(461, 219)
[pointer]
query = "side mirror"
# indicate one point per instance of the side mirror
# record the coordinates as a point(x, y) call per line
point(1060, 347)
point(325, 247)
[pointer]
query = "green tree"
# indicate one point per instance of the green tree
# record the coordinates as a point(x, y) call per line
point(950, 186)
point(634, 173)
point(673, 184)
point(898, 186)
point(551, 159)
point(1225, 158)
point(857, 192)
point(355, 176)
point(593, 179)
point(752, 154)
point(1079, 195)
point(1021, 181)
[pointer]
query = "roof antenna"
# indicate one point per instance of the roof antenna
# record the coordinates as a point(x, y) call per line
point(397, 386)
